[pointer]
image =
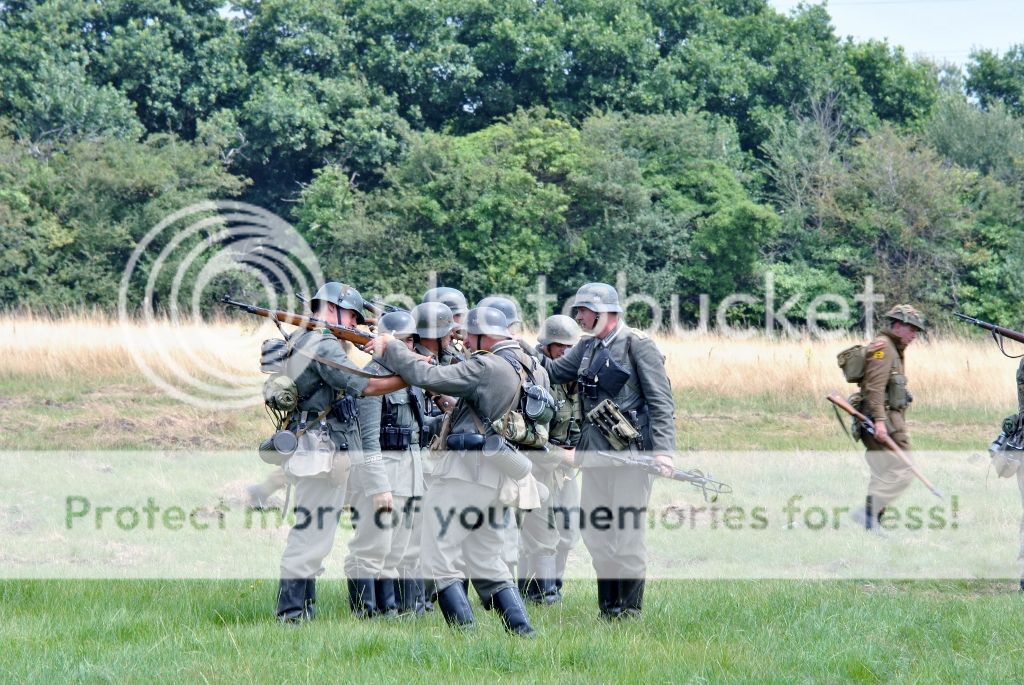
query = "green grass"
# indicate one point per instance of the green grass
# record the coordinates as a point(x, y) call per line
point(692, 631)
point(220, 632)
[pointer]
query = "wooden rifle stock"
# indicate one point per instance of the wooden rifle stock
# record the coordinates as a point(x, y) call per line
point(352, 335)
point(868, 426)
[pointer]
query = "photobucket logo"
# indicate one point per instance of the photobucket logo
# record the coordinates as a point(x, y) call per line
point(186, 260)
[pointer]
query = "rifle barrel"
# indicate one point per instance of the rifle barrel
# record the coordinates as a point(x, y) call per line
point(997, 331)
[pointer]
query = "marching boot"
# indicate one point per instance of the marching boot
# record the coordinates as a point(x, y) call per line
point(561, 559)
point(509, 606)
point(410, 599)
point(291, 601)
point(455, 607)
point(608, 597)
point(631, 594)
point(361, 597)
point(527, 582)
point(543, 579)
point(310, 604)
point(384, 591)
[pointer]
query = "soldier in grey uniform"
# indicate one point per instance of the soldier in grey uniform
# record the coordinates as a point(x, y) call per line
point(558, 334)
point(645, 396)
point(456, 302)
point(330, 392)
point(402, 423)
point(462, 509)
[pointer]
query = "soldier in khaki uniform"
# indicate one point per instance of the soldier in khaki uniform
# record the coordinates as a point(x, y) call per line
point(885, 400)
point(462, 509)
point(557, 336)
point(330, 392)
point(645, 397)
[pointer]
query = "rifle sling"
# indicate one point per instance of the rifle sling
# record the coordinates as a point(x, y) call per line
point(341, 367)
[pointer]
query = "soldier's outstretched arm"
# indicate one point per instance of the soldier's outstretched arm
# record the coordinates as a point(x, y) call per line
point(661, 406)
point(458, 380)
point(330, 349)
point(566, 367)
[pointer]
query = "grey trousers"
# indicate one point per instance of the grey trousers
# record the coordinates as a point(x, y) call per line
point(567, 499)
point(370, 541)
point(403, 556)
point(317, 503)
point(617, 546)
point(463, 536)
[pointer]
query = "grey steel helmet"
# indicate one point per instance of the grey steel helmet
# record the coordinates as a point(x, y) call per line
point(597, 297)
point(433, 320)
point(487, 321)
point(559, 329)
point(504, 305)
point(343, 296)
point(398, 324)
point(455, 300)
point(908, 315)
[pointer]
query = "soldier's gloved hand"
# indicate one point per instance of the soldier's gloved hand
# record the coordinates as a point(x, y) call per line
point(881, 432)
point(383, 501)
point(664, 462)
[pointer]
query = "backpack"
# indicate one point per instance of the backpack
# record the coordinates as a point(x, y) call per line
point(852, 361)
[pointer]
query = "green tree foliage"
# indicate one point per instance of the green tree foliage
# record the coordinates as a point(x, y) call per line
point(69, 223)
point(992, 78)
point(690, 147)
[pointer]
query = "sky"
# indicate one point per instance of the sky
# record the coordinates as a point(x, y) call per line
point(943, 30)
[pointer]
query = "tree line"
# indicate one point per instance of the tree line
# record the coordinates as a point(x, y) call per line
point(693, 147)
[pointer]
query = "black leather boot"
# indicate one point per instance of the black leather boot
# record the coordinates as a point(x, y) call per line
point(631, 594)
point(387, 602)
point(561, 559)
point(543, 579)
point(310, 598)
point(608, 597)
point(292, 605)
point(455, 607)
point(410, 596)
point(509, 606)
point(361, 597)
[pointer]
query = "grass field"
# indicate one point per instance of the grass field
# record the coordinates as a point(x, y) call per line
point(72, 384)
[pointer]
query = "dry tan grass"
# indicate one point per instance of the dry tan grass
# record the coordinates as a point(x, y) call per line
point(947, 373)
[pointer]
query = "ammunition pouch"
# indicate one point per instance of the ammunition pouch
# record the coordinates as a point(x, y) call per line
point(897, 397)
point(604, 376)
point(614, 426)
point(506, 458)
point(465, 442)
point(273, 355)
point(395, 438)
point(345, 409)
point(276, 449)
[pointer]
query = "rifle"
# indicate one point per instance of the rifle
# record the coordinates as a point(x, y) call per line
point(998, 332)
point(868, 427)
point(705, 483)
point(352, 335)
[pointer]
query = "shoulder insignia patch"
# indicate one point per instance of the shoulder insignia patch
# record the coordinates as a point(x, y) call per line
point(638, 333)
point(878, 354)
